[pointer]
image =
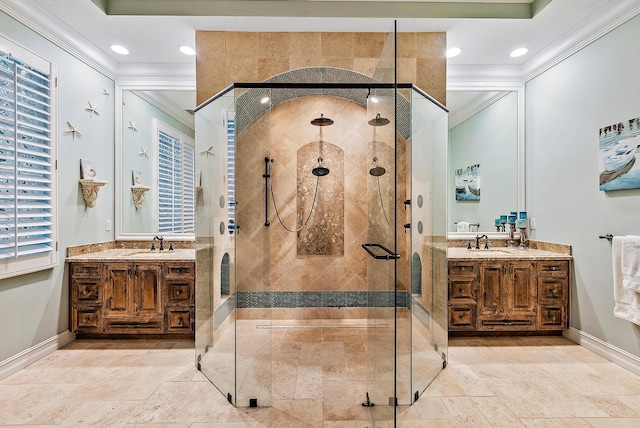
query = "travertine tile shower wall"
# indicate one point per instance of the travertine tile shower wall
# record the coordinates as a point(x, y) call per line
point(227, 57)
point(269, 258)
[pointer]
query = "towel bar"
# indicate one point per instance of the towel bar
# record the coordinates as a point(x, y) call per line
point(608, 236)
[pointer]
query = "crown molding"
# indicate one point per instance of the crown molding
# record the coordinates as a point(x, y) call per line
point(43, 24)
point(174, 74)
point(473, 77)
point(611, 18)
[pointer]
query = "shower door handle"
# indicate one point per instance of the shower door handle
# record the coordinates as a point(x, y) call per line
point(387, 253)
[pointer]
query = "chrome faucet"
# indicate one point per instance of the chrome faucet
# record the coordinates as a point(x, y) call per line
point(159, 238)
point(486, 244)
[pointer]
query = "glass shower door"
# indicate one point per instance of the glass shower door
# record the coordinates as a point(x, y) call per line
point(215, 245)
point(382, 250)
point(428, 272)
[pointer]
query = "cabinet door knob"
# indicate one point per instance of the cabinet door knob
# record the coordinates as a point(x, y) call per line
point(553, 268)
point(85, 292)
point(554, 291)
point(553, 318)
point(462, 268)
point(180, 322)
point(85, 320)
point(85, 270)
point(178, 292)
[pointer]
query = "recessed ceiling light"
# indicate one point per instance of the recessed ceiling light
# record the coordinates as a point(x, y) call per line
point(120, 49)
point(264, 100)
point(453, 52)
point(373, 99)
point(519, 52)
point(187, 50)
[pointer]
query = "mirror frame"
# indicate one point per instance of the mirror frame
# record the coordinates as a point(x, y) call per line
point(138, 85)
point(499, 86)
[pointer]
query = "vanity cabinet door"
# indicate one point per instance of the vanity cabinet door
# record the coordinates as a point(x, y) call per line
point(492, 291)
point(148, 291)
point(117, 290)
point(522, 290)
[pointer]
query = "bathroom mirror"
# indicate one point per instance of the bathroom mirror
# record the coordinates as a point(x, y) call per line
point(486, 156)
point(152, 119)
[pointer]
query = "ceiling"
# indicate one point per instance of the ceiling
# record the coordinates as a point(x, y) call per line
point(153, 40)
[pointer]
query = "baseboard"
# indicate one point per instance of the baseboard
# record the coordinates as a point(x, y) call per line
point(604, 349)
point(35, 353)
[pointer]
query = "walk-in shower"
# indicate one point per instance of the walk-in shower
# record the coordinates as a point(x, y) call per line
point(323, 320)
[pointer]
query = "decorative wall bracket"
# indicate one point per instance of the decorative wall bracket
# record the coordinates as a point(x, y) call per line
point(90, 190)
point(138, 195)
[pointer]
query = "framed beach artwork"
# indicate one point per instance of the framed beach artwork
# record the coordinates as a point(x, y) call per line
point(619, 166)
point(467, 181)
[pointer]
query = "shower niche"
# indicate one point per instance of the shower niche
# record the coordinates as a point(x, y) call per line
point(318, 304)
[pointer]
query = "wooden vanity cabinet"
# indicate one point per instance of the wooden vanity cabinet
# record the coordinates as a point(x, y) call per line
point(123, 298)
point(86, 297)
point(553, 299)
point(133, 298)
point(508, 295)
point(179, 297)
point(463, 288)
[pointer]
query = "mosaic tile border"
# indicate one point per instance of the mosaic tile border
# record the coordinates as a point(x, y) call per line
point(321, 299)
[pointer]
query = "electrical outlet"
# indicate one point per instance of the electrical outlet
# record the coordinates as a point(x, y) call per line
point(532, 223)
point(107, 225)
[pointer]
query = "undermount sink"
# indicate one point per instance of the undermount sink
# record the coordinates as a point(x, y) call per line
point(490, 250)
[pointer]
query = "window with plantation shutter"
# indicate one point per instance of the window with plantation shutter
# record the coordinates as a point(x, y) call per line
point(176, 181)
point(27, 159)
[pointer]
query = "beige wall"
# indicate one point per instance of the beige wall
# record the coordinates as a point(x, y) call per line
point(224, 58)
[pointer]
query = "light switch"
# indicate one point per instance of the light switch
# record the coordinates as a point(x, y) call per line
point(107, 225)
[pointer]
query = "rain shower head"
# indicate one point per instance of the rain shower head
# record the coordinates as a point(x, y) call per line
point(377, 170)
point(379, 121)
point(322, 121)
point(320, 170)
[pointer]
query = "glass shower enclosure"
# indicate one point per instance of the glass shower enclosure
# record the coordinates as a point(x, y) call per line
point(321, 242)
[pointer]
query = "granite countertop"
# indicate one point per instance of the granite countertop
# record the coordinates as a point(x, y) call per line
point(502, 253)
point(136, 254)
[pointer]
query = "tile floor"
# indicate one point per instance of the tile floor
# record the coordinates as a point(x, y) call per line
point(489, 382)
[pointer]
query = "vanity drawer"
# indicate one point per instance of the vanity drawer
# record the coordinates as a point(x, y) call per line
point(178, 320)
point(86, 320)
point(462, 317)
point(86, 290)
point(132, 326)
point(552, 289)
point(179, 271)
point(86, 270)
point(463, 268)
point(179, 293)
point(462, 288)
point(516, 324)
point(551, 318)
point(558, 268)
